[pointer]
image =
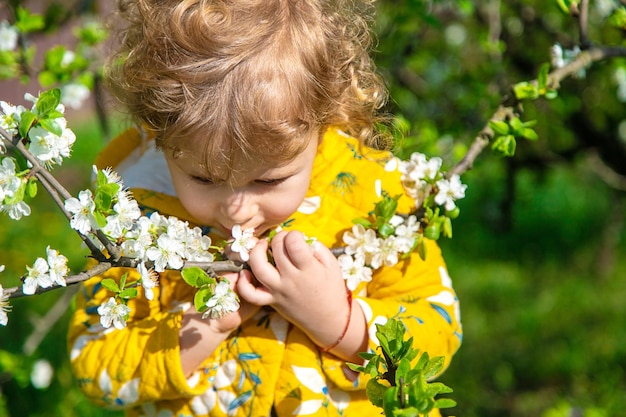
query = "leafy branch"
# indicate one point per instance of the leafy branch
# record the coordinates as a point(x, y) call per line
point(400, 385)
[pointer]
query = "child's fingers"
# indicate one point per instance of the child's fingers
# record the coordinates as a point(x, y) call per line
point(292, 249)
point(264, 271)
point(251, 291)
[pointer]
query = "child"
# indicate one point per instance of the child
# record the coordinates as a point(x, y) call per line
point(253, 113)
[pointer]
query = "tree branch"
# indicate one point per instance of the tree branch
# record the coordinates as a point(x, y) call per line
point(583, 60)
point(100, 268)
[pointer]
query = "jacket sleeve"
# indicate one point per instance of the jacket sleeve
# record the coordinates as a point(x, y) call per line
point(419, 293)
point(118, 368)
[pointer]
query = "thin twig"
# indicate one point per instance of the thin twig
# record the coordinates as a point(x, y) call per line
point(583, 60)
point(101, 267)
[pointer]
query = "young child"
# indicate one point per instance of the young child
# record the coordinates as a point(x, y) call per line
point(253, 113)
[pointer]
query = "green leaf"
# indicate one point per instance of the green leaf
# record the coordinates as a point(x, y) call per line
point(48, 101)
point(499, 127)
point(47, 78)
point(542, 78)
point(27, 22)
point(525, 91)
point(375, 392)
point(433, 366)
point(445, 403)
point(101, 219)
point(363, 222)
point(128, 293)
point(551, 94)
point(192, 274)
point(432, 231)
point(421, 248)
point(51, 126)
point(454, 213)
point(505, 145)
point(200, 299)
point(27, 119)
point(31, 188)
point(103, 201)
point(529, 134)
point(110, 285)
point(386, 230)
point(390, 401)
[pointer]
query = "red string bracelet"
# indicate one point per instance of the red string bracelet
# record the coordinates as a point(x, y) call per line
point(345, 330)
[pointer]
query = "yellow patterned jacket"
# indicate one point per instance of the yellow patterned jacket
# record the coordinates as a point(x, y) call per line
point(266, 367)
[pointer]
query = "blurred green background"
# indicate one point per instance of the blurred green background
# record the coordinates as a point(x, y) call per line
point(537, 256)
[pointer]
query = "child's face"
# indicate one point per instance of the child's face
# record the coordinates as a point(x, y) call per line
point(261, 196)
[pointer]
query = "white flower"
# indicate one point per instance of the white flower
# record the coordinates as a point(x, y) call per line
point(126, 212)
point(406, 234)
point(224, 301)
point(244, 242)
point(73, 95)
point(10, 119)
point(48, 147)
point(149, 280)
point(386, 255)
point(41, 374)
point(4, 305)
point(9, 182)
point(17, 210)
point(449, 191)
point(58, 266)
point(111, 312)
point(82, 209)
point(8, 36)
point(360, 240)
point(166, 253)
point(354, 270)
point(68, 58)
point(418, 167)
point(197, 246)
point(139, 238)
point(38, 276)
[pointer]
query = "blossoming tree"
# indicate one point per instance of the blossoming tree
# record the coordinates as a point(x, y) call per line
point(36, 138)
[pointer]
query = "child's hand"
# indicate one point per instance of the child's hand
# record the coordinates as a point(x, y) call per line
point(200, 337)
point(306, 286)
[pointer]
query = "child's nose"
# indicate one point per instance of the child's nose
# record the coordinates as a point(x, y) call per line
point(238, 207)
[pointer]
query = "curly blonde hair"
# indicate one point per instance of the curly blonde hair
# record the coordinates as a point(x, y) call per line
point(250, 76)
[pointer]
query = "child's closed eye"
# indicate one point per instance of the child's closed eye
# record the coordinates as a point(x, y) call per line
point(201, 180)
point(271, 182)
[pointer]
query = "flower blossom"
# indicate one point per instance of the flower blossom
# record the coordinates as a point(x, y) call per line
point(74, 94)
point(9, 181)
point(126, 212)
point(167, 253)
point(149, 280)
point(10, 119)
point(113, 313)
point(16, 210)
point(244, 242)
point(38, 276)
point(48, 147)
point(417, 172)
point(354, 270)
point(223, 302)
point(8, 36)
point(58, 266)
point(449, 191)
point(5, 307)
point(82, 209)
point(360, 241)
